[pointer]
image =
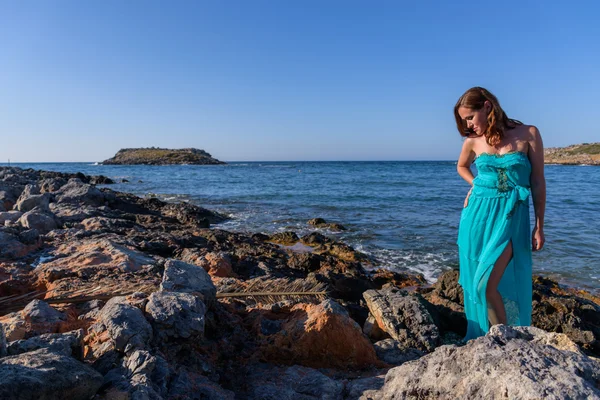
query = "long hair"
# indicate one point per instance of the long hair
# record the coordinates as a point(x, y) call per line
point(497, 121)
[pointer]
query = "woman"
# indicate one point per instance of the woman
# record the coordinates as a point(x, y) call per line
point(493, 237)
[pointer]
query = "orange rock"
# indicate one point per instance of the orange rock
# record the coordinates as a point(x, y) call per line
point(318, 336)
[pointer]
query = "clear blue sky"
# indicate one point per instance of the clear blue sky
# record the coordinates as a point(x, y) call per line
point(288, 80)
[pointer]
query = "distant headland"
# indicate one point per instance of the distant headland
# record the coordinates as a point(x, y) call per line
point(158, 156)
point(577, 154)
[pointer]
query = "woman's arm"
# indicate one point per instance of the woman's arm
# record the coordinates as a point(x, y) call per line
point(463, 166)
point(538, 186)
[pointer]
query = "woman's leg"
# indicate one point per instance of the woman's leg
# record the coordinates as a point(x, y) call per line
point(495, 305)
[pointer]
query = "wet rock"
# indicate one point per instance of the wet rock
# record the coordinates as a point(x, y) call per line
point(120, 326)
point(42, 374)
point(514, 363)
point(279, 383)
point(176, 315)
point(319, 336)
point(286, 238)
point(404, 317)
point(321, 223)
point(187, 278)
point(69, 344)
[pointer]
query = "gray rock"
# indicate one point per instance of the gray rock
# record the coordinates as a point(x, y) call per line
point(11, 246)
point(393, 352)
point(40, 201)
point(404, 317)
point(140, 376)
point(177, 315)
point(126, 326)
point(38, 311)
point(29, 190)
point(11, 216)
point(293, 383)
point(36, 219)
point(49, 185)
point(42, 374)
point(77, 192)
point(507, 363)
point(68, 344)
point(188, 278)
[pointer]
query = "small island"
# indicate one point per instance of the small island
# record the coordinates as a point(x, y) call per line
point(577, 154)
point(158, 156)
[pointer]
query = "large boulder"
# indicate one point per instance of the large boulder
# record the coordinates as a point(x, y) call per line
point(40, 201)
point(513, 363)
point(42, 374)
point(120, 326)
point(404, 317)
point(39, 220)
point(65, 343)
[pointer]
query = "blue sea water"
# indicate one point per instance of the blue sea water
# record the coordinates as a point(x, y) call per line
point(405, 214)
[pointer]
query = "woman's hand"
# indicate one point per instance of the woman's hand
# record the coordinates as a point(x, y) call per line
point(467, 198)
point(537, 239)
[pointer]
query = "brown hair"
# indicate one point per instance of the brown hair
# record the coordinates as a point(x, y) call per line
point(497, 120)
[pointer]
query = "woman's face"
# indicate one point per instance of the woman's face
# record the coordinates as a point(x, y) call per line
point(475, 120)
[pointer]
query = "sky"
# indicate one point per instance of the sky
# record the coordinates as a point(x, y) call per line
point(258, 80)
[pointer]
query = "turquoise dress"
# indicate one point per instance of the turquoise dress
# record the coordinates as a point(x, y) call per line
point(497, 212)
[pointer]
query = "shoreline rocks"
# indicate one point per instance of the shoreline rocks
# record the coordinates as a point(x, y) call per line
point(162, 305)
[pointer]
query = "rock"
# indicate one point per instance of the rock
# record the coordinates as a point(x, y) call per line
point(404, 317)
point(50, 185)
point(318, 336)
point(41, 201)
point(12, 248)
point(79, 193)
point(10, 216)
point(279, 383)
point(394, 352)
point(513, 363)
point(69, 344)
point(192, 386)
point(121, 326)
point(321, 223)
point(285, 238)
point(382, 276)
point(176, 315)
point(36, 219)
point(42, 374)
point(188, 278)
point(35, 319)
point(30, 236)
point(3, 349)
point(577, 154)
point(103, 225)
point(215, 263)
point(364, 388)
point(317, 221)
point(373, 331)
point(140, 376)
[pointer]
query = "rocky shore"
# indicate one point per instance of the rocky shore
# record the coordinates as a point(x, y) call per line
point(577, 154)
point(106, 295)
point(158, 156)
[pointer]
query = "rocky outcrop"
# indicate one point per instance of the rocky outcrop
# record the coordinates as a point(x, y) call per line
point(577, 154)
point(158, 156)
point(514, 363)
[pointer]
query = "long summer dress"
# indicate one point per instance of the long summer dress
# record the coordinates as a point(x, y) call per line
point(497, 212)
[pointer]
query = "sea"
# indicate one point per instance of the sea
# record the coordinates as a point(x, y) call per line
point(404, 214)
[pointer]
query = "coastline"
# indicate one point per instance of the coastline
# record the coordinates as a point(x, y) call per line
point(162, 256)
